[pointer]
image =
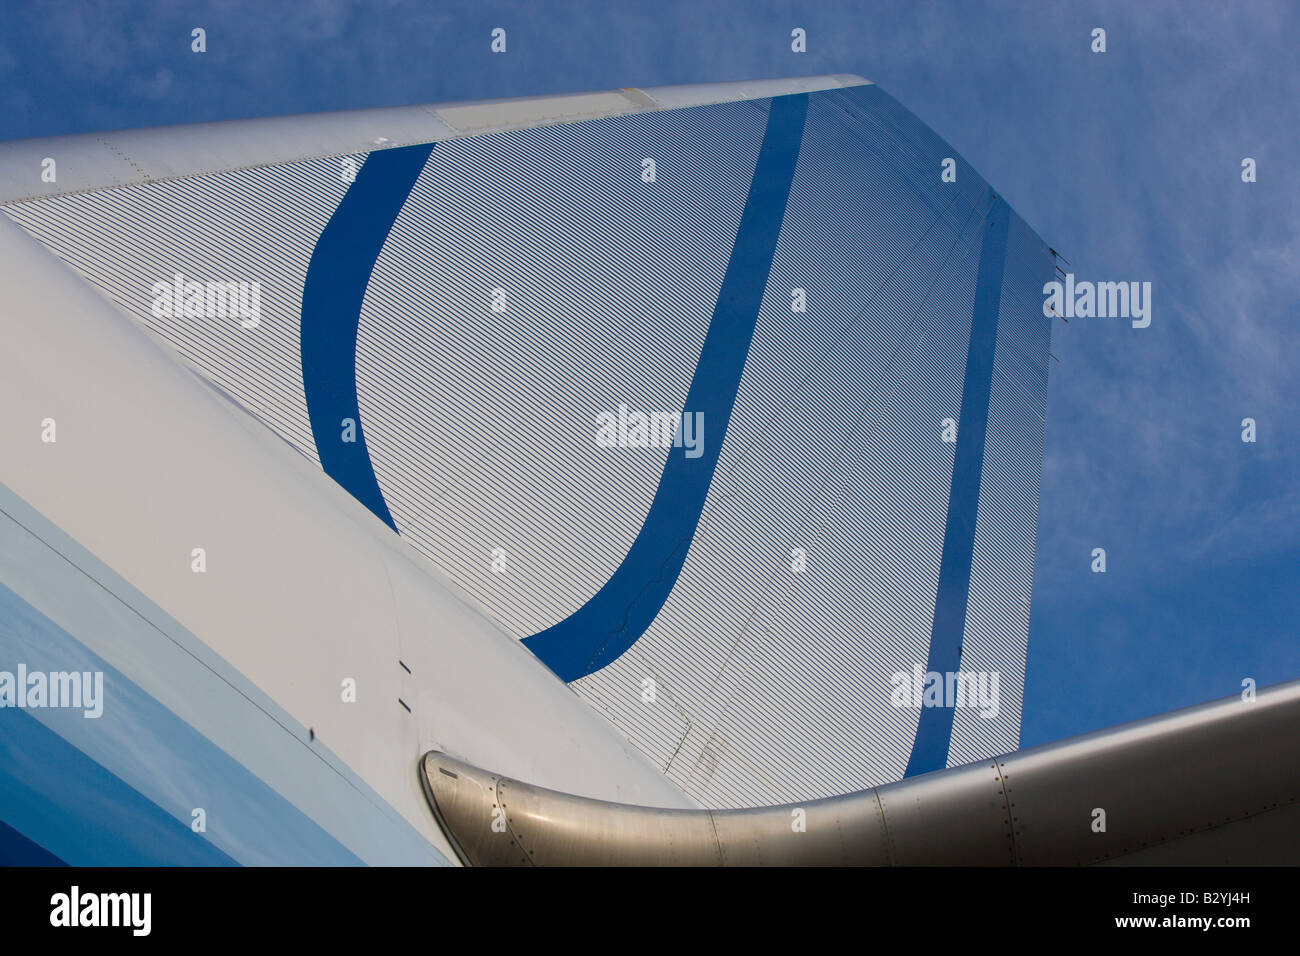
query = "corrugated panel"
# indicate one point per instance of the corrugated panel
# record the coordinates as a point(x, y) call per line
point(482, 424)
point(997, 619)
point(257, 225)
point(769, 685)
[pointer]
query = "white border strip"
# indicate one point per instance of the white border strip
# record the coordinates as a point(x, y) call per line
point(100, 160)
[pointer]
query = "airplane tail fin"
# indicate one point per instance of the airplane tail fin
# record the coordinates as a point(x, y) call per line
point(727, 402)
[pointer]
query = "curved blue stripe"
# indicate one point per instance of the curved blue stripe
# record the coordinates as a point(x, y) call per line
point(607, 625)
point(332, 294)
point(934, 731)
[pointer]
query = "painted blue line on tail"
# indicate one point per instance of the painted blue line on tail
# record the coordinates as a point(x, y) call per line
point(934, 732)
point(332, 294)
point(616, 616)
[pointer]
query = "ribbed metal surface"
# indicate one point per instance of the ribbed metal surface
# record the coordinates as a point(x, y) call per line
point(257, 225)
point(835, 448)
point(482, 424)
point(1037, 807)
point(769, 686)
point(997, 615)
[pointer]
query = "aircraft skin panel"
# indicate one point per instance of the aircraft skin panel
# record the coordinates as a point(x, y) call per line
point(996, 631)
point(482, 424)
point(153, 760)
point(474, 431)
point(178, 723)
point(783, 652)
point(302, 588)
point(129, 157)
point(259, 222)
point(833, 450)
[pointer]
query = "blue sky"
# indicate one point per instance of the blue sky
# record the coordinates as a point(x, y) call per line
point(1128, 162)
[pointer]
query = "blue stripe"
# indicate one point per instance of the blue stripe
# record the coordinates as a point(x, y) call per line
point(133, 775)
point(332, 296)
point(273, 794)
point(934, 731)
point(611, 621)
point(58, 797)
